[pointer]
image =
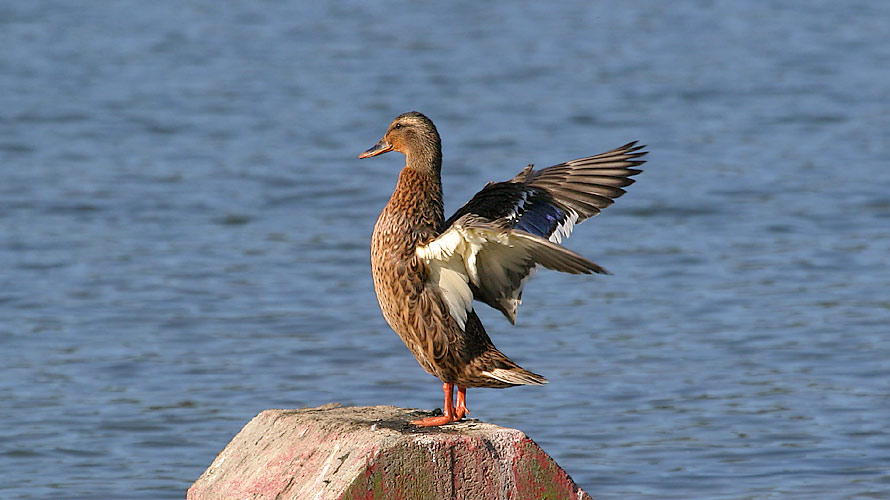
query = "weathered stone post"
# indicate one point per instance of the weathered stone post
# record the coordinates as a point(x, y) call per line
point(373, 453)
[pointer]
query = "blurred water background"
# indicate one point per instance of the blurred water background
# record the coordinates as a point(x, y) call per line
point(184, 233)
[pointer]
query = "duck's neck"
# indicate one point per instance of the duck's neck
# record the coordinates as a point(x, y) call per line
point(417, 200)
point(424, 185)
point(426, 159)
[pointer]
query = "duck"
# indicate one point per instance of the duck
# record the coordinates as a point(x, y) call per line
point(428, 270)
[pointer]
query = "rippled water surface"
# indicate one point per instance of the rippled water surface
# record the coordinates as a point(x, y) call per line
point(184, 233)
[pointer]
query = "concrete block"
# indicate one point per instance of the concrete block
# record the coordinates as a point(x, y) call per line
point(335, 453)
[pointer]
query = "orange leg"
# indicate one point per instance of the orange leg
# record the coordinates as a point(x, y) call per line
point(449, 413)
point(460, 409)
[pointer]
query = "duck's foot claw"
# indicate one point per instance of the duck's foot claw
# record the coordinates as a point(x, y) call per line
point(435, 421)
point(460, 413)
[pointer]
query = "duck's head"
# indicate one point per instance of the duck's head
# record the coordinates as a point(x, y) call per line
point(411, 134)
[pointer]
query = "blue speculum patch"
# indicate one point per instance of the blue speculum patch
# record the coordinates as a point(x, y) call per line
point(540, 219)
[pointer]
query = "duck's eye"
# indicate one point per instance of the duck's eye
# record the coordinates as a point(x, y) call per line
point(397, 125)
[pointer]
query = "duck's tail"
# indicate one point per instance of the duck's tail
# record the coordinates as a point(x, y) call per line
point(515, 376)
point(497, 370)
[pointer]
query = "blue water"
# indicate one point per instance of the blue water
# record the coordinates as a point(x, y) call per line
point(184, 233)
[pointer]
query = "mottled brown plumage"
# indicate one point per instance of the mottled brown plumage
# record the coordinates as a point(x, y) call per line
point(427, 272)
point(414, 216)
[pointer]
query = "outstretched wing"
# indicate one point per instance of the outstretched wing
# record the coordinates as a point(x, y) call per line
point(544, 203)
point(474, 254)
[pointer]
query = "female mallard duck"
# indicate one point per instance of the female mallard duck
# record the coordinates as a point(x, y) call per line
point(427, 270)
